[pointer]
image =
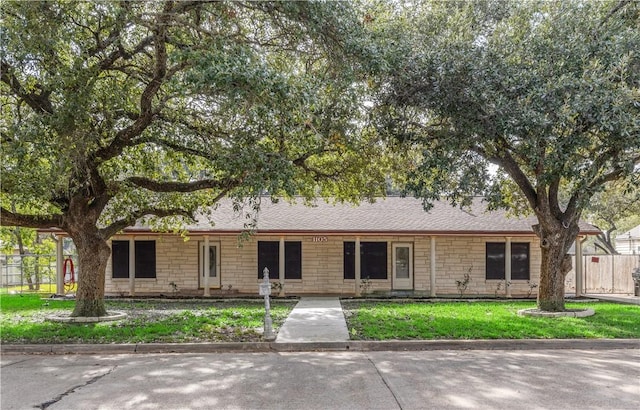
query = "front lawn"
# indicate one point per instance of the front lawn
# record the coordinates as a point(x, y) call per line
point(22, 320)
point(368, 320)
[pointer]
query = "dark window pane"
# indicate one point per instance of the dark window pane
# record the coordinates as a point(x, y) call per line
point(120, 259)
point(495, 260)
point(373, 260)
point(213, 262)
point(268, 257)
point(145, 259)
point(293, 260)
point(349, 260)
point(520, 261)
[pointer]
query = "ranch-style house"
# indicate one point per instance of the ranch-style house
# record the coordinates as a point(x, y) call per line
point(389, 246)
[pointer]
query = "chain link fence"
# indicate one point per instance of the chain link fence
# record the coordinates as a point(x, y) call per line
point(30, 272)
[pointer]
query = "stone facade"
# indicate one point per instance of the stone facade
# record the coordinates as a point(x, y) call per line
point(177, 261)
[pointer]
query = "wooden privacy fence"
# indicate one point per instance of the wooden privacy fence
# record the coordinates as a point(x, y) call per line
point(604, 274)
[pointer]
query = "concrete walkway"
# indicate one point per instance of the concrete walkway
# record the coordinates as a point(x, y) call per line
point(315, 319)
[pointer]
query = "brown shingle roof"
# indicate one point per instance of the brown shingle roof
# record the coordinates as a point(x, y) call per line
point(386, 215)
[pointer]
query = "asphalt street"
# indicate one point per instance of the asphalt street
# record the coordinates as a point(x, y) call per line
point(440, 379)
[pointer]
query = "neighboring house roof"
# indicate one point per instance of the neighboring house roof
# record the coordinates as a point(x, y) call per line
point(386, 215)
point(633, 233)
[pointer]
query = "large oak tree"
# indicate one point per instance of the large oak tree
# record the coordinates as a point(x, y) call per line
point(549, 92)
point(113, 111)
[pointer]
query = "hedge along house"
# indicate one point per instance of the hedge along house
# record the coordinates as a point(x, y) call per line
point(390, 245)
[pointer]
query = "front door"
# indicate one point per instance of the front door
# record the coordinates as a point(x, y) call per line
point(402, 266)
point(214, 265)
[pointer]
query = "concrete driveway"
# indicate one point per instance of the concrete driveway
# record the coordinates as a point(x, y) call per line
point(474, 379)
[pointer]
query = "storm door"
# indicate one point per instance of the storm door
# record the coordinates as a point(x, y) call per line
point(214, 265)
point(402, 261)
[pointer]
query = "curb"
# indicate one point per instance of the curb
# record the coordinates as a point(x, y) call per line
point(356, 346)
point(535, 312)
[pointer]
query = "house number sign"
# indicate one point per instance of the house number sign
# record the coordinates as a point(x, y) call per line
point(319, 239)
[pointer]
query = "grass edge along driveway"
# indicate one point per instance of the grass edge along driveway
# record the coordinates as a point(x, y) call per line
point(428, 320)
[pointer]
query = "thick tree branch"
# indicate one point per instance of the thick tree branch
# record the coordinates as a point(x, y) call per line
point(611, 176)
point(597, 182)
point(506, 146)
point(100, 189)
point(318, 174)
point(301, 162)
point(8, 218)
point(572, 206)
point(169, 186)
point(614, 10)
point(176, 147)
point(108, 62)
point(123, 223)
point(160, 67)
point(554, 187)
point(199, 130)
point(39, 102)
point(509, 164)
point(124, 136)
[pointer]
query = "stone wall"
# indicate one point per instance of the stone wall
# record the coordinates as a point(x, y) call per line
point(322, 265)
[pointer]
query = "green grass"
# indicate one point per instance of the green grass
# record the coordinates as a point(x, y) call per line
point(484, 320)
point(22, 320)
point(45, 289)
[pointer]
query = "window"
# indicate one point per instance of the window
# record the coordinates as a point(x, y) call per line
point(495, 266)
point(145, 259)
point(350, 260)
point(293, 260)
point(520, 261)
point(269, 257)
point(120, 259)
point(373, 260)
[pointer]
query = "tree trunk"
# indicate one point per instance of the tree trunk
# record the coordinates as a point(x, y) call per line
point(93, 255)
point(606, 243)
point(36, 272)
point(25, 270)
point(37, 262)
point(555, 264)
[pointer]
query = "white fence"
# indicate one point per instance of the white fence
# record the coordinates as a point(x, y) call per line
point(604, 274)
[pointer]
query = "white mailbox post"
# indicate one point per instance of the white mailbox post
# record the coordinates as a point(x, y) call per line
point(265, 290)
